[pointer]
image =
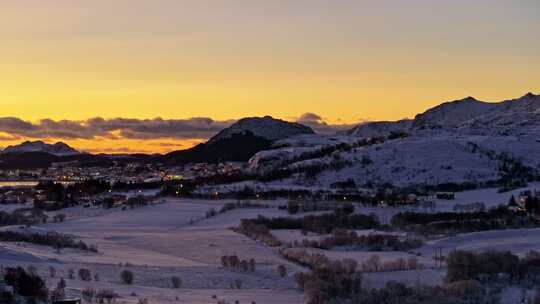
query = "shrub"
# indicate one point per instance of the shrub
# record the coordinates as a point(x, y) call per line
point(293, 207)
point(127, 277)
point(59, 218)
point(88, 294)
point(176, 282)
point(237, 284)
point(282, 271)
point(52, 271)
point(350, 265)
point(211, 212)
point(347, 208)
point(244, 266)
point(85, 274)
point(252, 265)
point(327, 282)
point(489, 266)
point(61, 283)
point(27, 284)
point(372, 264)
point(71, 274)
point(232, 261)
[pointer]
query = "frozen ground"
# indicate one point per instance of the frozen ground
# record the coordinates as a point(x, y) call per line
point(176, 239)
point(158, 242)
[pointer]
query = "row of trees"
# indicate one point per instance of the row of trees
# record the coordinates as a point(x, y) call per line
point(233, 262)
point(493, 266)
point(295, 206)
point(57, 240)
point(23, 216)
point(372, 264)
point(258, 232)
point(322, 224)
point(460, 222)
point(370, 242)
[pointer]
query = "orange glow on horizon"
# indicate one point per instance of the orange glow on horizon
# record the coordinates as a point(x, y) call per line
point(347, 61)
point(118, 146)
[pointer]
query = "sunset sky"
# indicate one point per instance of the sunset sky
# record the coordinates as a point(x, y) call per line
point(64, 63)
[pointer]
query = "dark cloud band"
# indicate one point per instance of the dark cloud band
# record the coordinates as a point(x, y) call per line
point(143, 129)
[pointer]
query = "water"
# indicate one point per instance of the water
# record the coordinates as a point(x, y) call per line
point(6, 184)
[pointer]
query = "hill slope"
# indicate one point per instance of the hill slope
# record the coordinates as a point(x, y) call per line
point(240, 141)
point(460, 141)
point(57, 149)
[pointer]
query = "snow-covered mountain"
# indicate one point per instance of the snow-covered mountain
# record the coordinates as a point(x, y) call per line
point(58, 149)
point(467, 115)
point(454, 113)
point(241, 140)
point(265, 127)
point(379, 128)
point(460, 141)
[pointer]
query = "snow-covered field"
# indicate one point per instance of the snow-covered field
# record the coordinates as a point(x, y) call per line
point(175, 238)
point(158, 242)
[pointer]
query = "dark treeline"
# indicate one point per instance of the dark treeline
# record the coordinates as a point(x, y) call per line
point(322, 224)
point(58, 196)
point(50, 239)
point(30, 216)
point(339, 282)
point(487, 267)
point(457, 222)
point(371, 242)
point(26, 284)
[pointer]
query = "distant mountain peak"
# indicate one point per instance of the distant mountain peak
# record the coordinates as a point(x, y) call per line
point(241, 140)
point(529, 95)
point(468, 99)
point(453, 113)
point(266, 127)
point(58, 149)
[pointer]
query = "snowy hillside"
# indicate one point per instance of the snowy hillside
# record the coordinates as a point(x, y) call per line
point(459, 141)
point(58, 149)
point(379, 128)
point(265, 127)
point(454, 113)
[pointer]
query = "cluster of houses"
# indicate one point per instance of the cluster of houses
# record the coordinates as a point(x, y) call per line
point(527, 201)
point(16, 196)
point(207, 169)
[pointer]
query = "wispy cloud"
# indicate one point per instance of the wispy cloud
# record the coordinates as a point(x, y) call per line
point(128, 128)
point(116, 128)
